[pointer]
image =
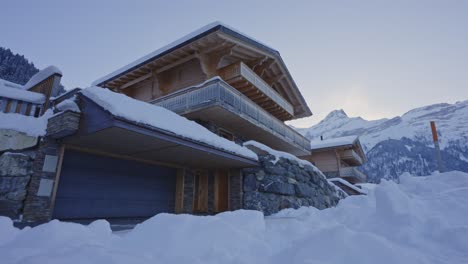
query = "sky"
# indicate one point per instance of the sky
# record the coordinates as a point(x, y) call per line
point(374, 59)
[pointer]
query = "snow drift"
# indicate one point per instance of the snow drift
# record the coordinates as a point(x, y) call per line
point(420, 220)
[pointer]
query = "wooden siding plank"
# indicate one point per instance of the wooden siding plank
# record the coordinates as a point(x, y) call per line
point(179, 199)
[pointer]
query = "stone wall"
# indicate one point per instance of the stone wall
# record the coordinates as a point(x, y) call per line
point(38, 206)
point(286, 184)
point(15, 175)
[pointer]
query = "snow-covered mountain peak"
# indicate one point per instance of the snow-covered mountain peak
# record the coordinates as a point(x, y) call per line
point(403, 143)
point(336, 114)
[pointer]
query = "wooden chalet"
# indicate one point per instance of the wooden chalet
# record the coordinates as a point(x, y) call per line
point(338, 158)
point(99, 163)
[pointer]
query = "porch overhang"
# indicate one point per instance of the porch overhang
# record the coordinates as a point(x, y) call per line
point(101, 132)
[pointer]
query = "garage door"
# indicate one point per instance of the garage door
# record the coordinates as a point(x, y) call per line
point(92, 186)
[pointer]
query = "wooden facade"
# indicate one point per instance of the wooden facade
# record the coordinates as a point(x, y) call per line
point(262, 85)
point(340, 161)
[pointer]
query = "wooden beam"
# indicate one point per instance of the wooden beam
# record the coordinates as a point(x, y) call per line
point(135, 81)
point(179, 193)
point(261, 69)
point(274, 79)
point(175, 63)
point(57, 177)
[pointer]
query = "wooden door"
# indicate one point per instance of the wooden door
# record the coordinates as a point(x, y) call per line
point(201, 192)
point(221, 190)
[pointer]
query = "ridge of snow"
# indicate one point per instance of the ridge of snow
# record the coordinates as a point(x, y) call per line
point(278, 154)
point(32, 126)
point(41, 76)
point(15, 91)
point(141, 112)
point(170, 46)
point(420, 220)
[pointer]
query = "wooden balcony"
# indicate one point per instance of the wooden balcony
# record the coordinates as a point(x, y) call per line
point(12, 105)
point(218, 102)
point(351, 157)
point(241, 77)
point(353, 175)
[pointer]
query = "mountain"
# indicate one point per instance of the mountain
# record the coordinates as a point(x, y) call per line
point(403, 143)
point(15, 68)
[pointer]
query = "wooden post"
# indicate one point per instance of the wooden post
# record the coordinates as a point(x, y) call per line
point(435, 138)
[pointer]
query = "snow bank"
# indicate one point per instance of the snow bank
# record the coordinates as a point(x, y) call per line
point(159, 117)
point(41, 76)
point(32, 126)
point(420, 220)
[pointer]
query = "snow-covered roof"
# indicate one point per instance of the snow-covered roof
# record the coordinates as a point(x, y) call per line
point(32, 126)
point(68, 104)
point(144, 113)
point(333, 142)
point(203, 30)
point(15, 91)
point(41, 76)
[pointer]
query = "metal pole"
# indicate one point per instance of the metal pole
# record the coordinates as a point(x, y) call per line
point(435, 138)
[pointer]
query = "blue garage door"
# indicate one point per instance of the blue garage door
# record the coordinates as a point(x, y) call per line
point(92, 186)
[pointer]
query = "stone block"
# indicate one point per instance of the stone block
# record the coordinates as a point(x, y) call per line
point(13, 140)
point(50, 163)
point(278, 188)
point(45, 187)
point(14, 164)
point(302, 190)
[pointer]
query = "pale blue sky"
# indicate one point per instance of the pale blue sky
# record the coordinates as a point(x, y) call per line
point(372, 58)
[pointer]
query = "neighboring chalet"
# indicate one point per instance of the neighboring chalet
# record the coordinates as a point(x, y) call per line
point(32, 98)
point(166, 134)
point(338, 158)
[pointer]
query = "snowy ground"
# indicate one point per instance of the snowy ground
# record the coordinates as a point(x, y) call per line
point(420, 220)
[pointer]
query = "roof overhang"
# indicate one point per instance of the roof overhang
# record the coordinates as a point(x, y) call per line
point(212, 37)
point(104, 133)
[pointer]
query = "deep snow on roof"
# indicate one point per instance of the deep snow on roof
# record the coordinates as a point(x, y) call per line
point(144, 113)
point(30, 125)
point(333, 142)
point(41, 76)
point(173, 45)
point(15, 91)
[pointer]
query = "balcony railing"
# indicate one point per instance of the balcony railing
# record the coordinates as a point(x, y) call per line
point(219, 92)
point(353, 173)
point(11, 105)
point(241, 71)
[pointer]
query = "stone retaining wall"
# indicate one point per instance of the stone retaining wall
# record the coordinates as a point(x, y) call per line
point(286, 184)
point(15, 175)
